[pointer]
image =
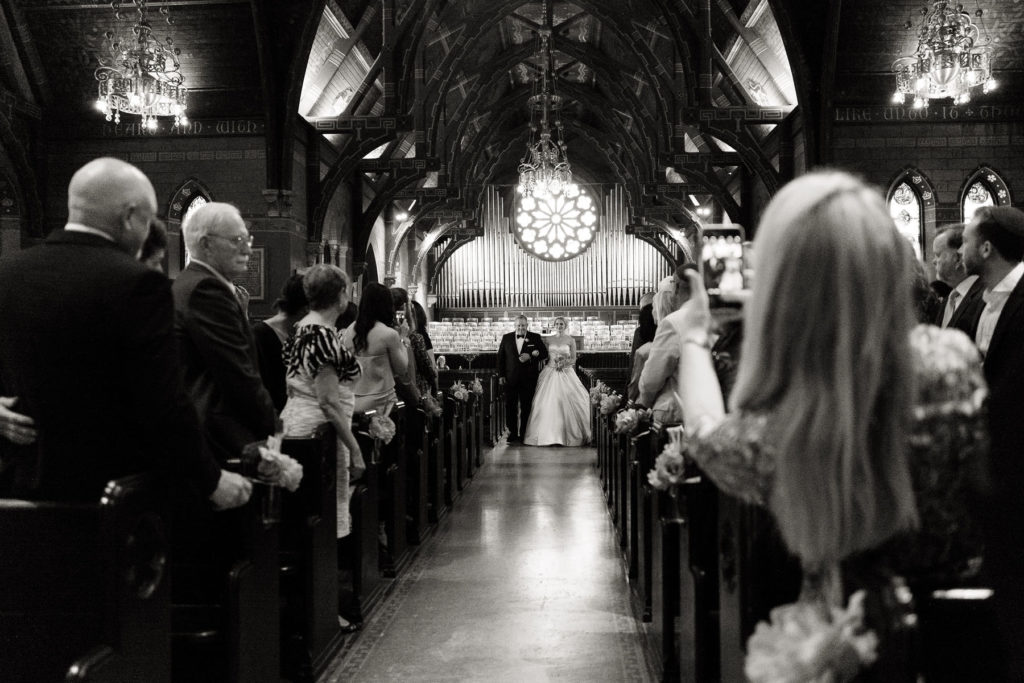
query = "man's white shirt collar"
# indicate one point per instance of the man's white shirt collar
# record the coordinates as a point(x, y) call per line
point(1006, 285)
point(78, 227)
point(965, 286)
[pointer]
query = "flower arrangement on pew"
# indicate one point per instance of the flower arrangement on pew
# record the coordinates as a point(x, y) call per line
point(806, 642)
point(271, 465)
point(670, 465)
point(628, 421)
point(431, 406)
point(610, 403)
point(382, 427)
point(477, 387)
point(597, 392)
point(460, 392)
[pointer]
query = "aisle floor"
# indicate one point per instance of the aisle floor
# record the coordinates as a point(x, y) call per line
point(522, 581)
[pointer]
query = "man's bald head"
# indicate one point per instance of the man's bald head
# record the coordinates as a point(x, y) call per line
point(113, 196)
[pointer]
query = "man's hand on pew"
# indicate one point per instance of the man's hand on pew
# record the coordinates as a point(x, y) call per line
point(232, 491)
point(17, 428)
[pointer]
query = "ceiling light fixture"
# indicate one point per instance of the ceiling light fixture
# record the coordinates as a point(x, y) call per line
point(947, 62)
point(142, 75)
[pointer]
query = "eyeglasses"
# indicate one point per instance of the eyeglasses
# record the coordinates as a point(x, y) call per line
point(238, 240)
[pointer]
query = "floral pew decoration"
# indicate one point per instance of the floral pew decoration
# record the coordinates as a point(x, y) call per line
point(597, 392)
point(629, 420)
point(669, 470)
point(431, 406)
point(610, 403)
point(459, 392)
point(476, 386)
point(264, 462)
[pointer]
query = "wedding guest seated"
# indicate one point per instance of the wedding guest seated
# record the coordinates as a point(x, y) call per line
point(271, 334)
point(826, 429)
point(321, 373)
point(659, 378)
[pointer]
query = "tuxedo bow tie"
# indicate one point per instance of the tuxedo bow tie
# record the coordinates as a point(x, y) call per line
point(520, 336)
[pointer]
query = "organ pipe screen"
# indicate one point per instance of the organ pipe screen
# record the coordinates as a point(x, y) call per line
point(494, 271)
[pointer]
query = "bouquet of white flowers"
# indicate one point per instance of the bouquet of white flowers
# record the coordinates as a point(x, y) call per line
point(670, 464)
point(460, 392)
point(559, 361)
point(627, 421)
point(476, 386)
point(272, 466)
point(597, 392)
point(610, 403)
point(382, 427)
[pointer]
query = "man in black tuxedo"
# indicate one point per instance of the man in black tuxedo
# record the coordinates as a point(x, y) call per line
point(962, 304)
point(87, 346)
point(520, 357)
point(993, 248)
point(218, 352)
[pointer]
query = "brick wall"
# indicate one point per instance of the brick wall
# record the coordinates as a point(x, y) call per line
point(946, 153)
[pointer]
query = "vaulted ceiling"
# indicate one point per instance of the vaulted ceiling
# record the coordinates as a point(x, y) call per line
point(456, 75)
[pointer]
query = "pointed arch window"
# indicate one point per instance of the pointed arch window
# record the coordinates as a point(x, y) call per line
point(906, 209)
point(983, 188)
point(189, 196)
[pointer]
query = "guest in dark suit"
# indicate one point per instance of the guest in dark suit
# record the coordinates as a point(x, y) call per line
point(520, 357)
point(87, 345)
point(993, 248)
point(961, 304)
point(218, 354)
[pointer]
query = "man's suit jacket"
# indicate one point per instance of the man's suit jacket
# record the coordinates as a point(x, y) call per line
point(87, 344)
point(509, 367)
point(1003, 512)
point(220, 364)
point(965, 317)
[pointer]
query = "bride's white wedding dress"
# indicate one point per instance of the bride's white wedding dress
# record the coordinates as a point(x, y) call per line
point(561, 405)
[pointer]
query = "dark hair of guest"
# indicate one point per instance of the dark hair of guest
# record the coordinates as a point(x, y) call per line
point(155, 240)
point(420, 317)
point(293, 297)
point(375, 306)
point(647, 325)
point(400, 297)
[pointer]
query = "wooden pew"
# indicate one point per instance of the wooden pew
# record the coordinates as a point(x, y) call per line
point(698, 646)
point(86, 591)
point(309, 565)
point(367, 587)
point(755, 574)
point(638, 445)
point(417, 480)
point(453, 444)
point(469, 454)
point(226, 617)
point(392, 495)
point(667, 522)
point(437, 504)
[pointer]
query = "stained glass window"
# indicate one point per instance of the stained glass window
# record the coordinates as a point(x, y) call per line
point(905, 209)
point(556, 227)
point(977, 196)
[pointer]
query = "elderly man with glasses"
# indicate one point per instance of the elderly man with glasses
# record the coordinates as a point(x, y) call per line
point(219, 360)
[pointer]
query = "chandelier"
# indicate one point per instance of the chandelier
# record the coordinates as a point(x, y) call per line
point(141, 75)
point(946, 62)
point(544, 169)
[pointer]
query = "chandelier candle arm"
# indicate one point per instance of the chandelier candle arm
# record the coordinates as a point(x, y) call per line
point(142, 74)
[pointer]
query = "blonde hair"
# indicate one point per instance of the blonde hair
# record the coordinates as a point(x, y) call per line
point(826, 352)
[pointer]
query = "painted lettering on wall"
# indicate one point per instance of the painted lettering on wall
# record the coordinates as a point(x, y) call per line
point(935, 113)
point(196, 127)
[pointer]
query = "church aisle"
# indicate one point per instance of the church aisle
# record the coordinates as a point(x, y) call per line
point(523, 581)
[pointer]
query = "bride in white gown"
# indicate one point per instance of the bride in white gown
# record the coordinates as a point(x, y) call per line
point(561, 404)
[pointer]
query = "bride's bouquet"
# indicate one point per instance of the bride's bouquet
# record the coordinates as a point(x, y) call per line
point(559, 361)
point(271, 465)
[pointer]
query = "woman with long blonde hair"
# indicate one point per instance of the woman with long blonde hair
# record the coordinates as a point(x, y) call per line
point(849, 424)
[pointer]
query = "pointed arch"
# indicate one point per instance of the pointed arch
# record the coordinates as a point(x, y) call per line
point(187, 195)
point(983, 187)
point(910, 198)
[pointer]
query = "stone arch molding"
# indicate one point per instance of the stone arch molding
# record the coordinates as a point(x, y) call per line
point(181, 197)
point(991, 178)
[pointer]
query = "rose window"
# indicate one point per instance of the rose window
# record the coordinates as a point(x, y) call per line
point(556, 227)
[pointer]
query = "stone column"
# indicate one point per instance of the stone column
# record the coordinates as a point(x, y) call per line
point(314, 253)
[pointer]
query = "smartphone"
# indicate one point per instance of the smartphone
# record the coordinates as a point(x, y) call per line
point(724, 261)
point(399, 317)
